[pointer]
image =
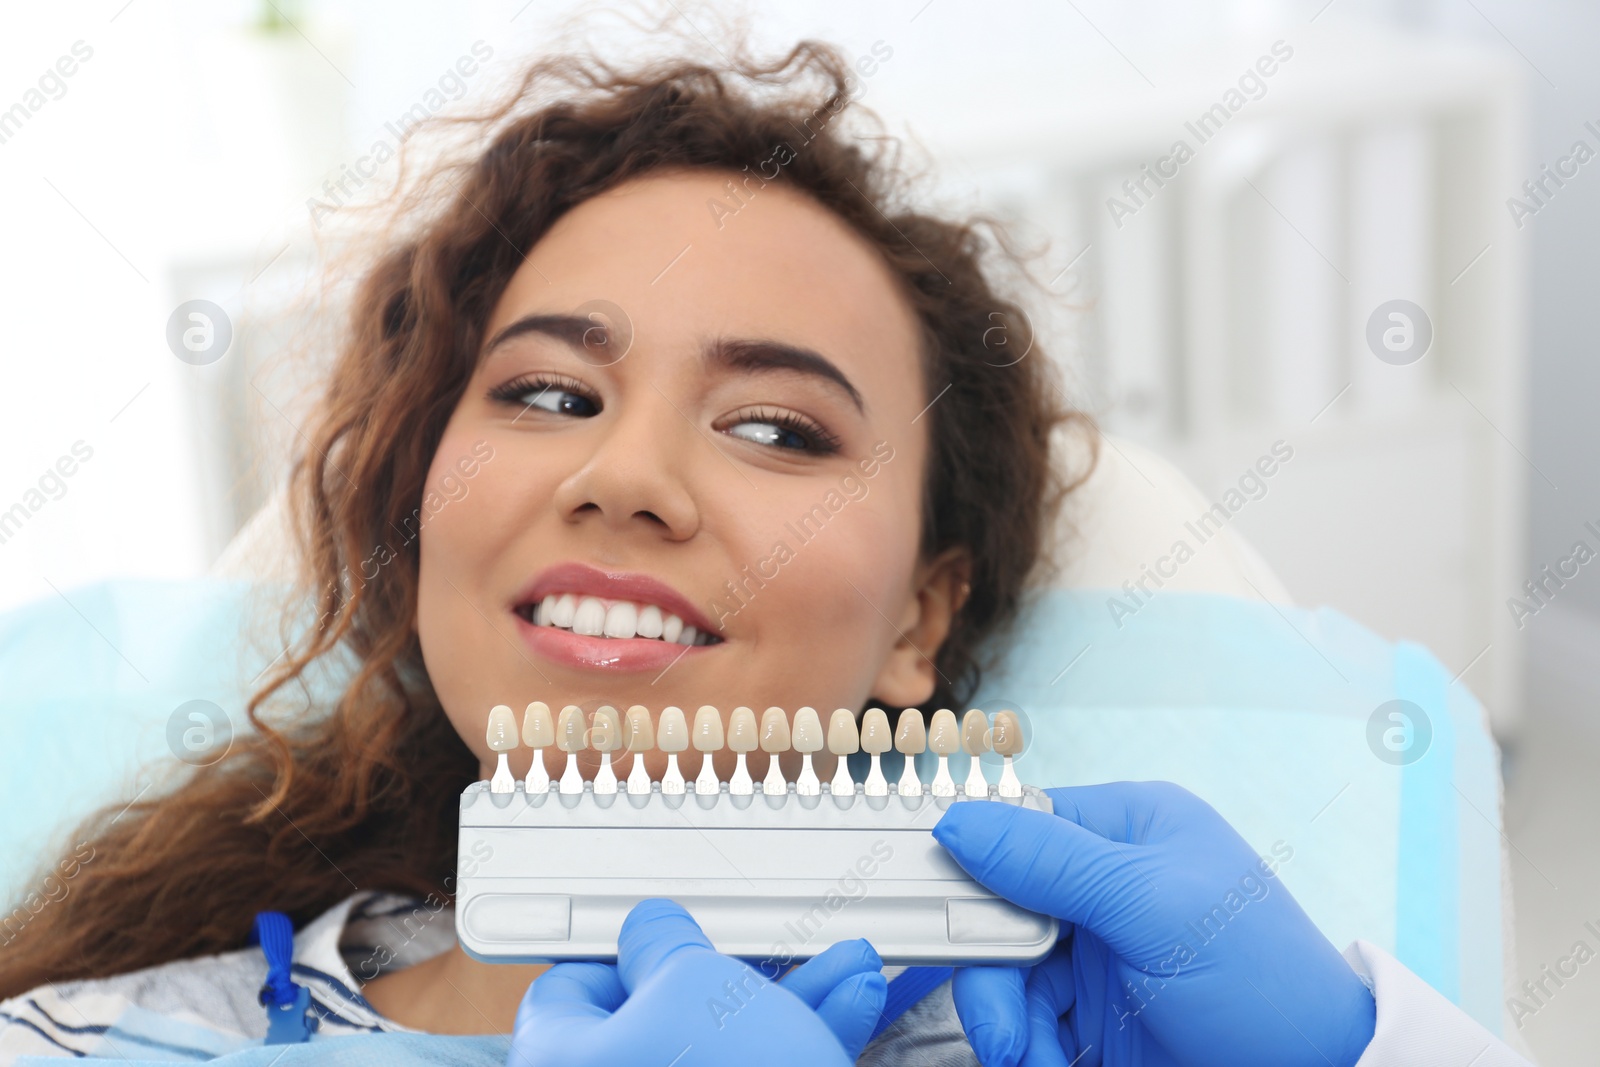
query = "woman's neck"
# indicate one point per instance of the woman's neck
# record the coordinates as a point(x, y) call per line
point(452, 993)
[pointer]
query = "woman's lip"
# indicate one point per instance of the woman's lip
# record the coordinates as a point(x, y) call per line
point(584, 580)
point(602, 653)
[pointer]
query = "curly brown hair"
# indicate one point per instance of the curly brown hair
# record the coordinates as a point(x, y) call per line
point(363, 794)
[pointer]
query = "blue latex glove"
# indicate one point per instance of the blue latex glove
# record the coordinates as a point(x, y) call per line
point(1183, 946)
point(671, 999)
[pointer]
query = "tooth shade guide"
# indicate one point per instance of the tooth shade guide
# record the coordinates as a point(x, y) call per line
point(538, 728)
point(807, 738)
point(538, 733)
point(773, 741)
point(501, 736)
point(876, 739)
point(570, 731)
point(502, 729)
point(672, 737)
point(910, 740)
point(638, 844)
point(944, 739)
point(775, 735)
point(1008, 742)
point(707, 739)
point(605, 737)
point(843, 740)
point(608, 731)
point(975, 740)
point(743, 737)
point(639, 737)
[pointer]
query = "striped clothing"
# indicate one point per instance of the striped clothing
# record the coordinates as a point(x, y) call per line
point(199, 1008)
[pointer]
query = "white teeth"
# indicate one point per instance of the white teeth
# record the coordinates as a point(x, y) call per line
point(591, 617)
point(566, 607)
point(590, 620)
point(649, 623)
point(621, 619)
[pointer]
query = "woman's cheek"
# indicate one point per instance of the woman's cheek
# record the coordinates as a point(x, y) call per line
point(859, 555)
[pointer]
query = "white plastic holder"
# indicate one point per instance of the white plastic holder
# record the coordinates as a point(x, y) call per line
point(741, 784)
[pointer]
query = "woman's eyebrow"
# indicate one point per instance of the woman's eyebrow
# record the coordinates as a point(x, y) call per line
point(761, 355)
point(748, 355)
point(575, 330)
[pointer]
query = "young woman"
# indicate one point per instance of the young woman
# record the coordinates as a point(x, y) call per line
point(671, 340)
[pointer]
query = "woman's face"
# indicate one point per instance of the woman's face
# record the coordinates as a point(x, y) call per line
point(686, 409)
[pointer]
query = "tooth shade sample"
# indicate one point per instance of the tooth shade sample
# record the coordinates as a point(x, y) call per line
point(774, 731)
point(649, 622)
point(538, 728)
point(707, 729)
point(843, 737)
point(502, 737)
point(912, 736)
point(605, 735)
point(590, 619)
point(571, 739)
point(742, 738)
point(975, 732)
point(875, 735)
point(538, 733)
point(975, 739)
point(707, 739)
point(502, 729)
point(807, 731)
point(1007, 735)
point(944, 736)
point(672, 737)
point(1007, 739)
point(876, 739)
point(638, 735)
point(910, 739)
point(569, 729)
point(622, 620)
point(742, 733)
point(806, 739)
point(774, 739)
point(673, 732)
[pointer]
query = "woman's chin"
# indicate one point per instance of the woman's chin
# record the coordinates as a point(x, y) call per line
point(619, 655)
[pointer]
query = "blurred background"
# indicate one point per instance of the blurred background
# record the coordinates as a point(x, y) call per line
point(1364, 229)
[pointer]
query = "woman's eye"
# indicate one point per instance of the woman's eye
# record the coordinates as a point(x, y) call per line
point(770, 433)
point(563, 402)
point(787, 432)
point(547, 396)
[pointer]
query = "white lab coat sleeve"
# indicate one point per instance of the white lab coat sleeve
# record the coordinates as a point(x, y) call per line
point(1417, 1026)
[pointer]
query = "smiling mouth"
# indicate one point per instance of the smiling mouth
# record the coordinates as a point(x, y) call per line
point(618, 620)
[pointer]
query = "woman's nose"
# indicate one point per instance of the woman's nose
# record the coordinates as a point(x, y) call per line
point(638, 472)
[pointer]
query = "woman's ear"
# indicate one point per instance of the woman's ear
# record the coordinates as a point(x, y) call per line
point(939, 587)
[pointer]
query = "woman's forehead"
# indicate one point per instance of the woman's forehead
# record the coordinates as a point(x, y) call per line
point(686, 262)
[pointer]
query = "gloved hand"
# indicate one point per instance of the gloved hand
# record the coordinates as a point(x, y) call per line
point(1183, 946)
point(671, 999)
